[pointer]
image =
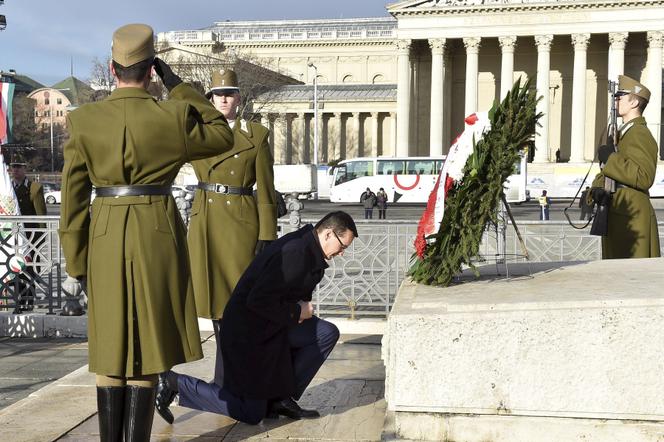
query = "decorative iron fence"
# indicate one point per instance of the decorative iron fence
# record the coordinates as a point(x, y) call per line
point(30, 264)
point(362, 282)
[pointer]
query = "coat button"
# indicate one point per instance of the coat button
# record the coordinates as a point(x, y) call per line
point(236, 156)
point(210, 200)
point(232, 172)
point(228, 203)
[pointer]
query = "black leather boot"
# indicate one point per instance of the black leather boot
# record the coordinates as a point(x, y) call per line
point(138, 413)
point(110, 405)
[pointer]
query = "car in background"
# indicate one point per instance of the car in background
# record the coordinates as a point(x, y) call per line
point(53, 197)
point(49, 187)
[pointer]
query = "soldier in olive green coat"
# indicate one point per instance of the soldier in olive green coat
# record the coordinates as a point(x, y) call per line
point(632, 225)
point(132, 246)
point(228, 224)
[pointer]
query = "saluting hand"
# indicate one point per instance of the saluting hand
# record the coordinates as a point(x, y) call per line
point(306, 310)
point(168, 77)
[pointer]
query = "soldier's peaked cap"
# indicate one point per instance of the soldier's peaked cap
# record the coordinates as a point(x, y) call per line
point(631, 86)
point(225, 80)
point(132, 44)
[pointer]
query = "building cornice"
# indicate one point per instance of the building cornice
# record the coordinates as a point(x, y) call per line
point(522, 7)
point(308, 43)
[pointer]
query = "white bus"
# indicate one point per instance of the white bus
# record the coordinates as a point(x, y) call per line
point(405, 179)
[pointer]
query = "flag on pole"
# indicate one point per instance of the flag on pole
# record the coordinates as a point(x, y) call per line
point(6, 97)
point(452, 171)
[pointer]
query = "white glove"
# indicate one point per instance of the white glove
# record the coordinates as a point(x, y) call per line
point(72, 286)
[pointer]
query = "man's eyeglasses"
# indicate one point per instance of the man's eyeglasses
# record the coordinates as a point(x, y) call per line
point(343, 246)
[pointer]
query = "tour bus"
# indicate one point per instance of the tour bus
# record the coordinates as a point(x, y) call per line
point(405, 179)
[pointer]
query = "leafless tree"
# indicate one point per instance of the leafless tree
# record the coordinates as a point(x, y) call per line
point(256, 76)
point(101, 78)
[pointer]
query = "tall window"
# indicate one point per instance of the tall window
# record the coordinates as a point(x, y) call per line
point(59, 100)
point(47, 101)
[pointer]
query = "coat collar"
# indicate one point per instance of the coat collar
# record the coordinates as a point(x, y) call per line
point(241, 142)
point(129, 92)
point(310, 238)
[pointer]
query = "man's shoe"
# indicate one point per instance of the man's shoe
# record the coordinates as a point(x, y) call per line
point(163, 400)
point(290, 408)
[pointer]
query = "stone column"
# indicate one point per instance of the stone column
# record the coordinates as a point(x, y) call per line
point(580, 42)
point(472, 45)
point(353, 147)
point(437, 81)
point(374, 134)
point(393, 133)
point(265, 121)
point(300, 142)
point(403, 97)
point(617, 42)
point(543, 67)
point(507, 64)
point(447, 112)
point(280, 128)
point(653, 112)
point(336, 145)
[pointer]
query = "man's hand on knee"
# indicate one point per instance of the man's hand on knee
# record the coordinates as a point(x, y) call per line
point(306, 310)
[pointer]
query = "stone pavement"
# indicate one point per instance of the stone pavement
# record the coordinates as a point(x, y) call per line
point(348, 391)
point(27, 365)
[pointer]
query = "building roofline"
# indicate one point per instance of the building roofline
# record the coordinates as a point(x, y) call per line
point(318, 21)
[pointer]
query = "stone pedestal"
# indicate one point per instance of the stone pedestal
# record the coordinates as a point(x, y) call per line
point(564, 352)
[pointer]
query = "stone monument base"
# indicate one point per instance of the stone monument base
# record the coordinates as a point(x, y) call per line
point(567, 351)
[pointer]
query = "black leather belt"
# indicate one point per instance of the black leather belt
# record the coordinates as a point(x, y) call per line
point(133, 190)
point(224, 189)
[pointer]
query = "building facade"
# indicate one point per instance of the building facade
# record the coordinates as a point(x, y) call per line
point(402, 85)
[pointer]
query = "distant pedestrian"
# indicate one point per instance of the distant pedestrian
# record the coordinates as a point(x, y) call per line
point(368, 200)
point(545, 203)
point(586, 208)
point(381, 202)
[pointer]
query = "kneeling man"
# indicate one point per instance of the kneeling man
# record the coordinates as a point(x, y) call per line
point(271, 342)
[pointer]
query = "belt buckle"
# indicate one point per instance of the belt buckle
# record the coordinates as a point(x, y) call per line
point(220, 188)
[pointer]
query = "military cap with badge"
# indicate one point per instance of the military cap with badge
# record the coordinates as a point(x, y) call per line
point(627, 85)
point(224, 82)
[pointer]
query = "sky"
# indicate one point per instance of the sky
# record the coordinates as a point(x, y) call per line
point(44, 36)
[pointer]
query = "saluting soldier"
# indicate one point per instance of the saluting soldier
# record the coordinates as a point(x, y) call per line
point(632, 224)
point(228, 224)
point(132, 248)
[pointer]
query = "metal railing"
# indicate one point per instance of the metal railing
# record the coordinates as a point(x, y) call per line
point(30, 264)
point(362, 282)
point(365, 280)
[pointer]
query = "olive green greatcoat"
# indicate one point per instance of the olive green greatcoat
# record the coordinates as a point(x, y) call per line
point(141, 312)
point(632, 223)
point(224, 228)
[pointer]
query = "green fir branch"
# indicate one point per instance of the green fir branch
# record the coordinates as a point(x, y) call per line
point(472, 203)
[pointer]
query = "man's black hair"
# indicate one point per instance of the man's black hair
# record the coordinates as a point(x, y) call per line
point(134, 73)
point(339, 222)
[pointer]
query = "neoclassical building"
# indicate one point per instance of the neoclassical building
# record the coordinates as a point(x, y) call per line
point(402, 85)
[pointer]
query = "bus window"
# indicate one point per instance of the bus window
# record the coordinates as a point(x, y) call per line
point(358, 169)
point(390, 167)
point(340, 174)
point(517, 167)
point(421, 167)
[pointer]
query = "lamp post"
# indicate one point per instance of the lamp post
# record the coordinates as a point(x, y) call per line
point(311, 65)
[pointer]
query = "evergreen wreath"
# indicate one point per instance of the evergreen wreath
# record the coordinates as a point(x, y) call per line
point(473, 201)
